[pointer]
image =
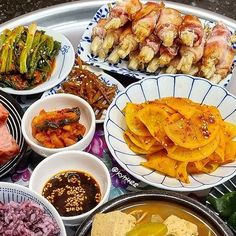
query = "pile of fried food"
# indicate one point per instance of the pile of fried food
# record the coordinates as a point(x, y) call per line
point(27, 57)
point(151, 37)
point(58, 129)
point(179, 137)
point(87, 85)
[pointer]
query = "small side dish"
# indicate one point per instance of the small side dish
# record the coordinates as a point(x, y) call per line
point(179, 137)
point(72, 192)
point(26, 218)
point(8, 146)
point(58, 129)
point(27, 57)
point(87, 85)
point(226, 207)
point(150, 218)
point(75, 182)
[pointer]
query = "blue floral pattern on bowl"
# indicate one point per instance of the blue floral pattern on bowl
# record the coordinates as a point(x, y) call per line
point(121, 66)
point(155, 88)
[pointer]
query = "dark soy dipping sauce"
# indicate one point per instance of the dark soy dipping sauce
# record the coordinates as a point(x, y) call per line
point(72, 192)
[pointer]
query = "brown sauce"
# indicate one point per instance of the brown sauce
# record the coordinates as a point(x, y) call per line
point(72, 192)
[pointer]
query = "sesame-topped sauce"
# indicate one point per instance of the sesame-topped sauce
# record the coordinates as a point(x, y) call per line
point(72, 192)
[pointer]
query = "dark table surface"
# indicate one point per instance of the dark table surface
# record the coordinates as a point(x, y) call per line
point(10, 9)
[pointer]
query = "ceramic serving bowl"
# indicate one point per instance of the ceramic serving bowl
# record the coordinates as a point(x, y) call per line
point(198, 90)
point(63, 65)
point(58, 102)
point(181, 201)
point(77, 161)
point(14, 192)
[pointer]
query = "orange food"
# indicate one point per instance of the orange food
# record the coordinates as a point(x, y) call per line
point(58, 129)
point(190, 137)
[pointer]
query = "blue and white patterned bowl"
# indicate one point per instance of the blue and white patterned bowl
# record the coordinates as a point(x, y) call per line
point(64, 63)
point(121, 66)
point(14, 192)
point(197, 89)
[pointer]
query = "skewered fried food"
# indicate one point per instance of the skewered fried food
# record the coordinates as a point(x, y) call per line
point(145, 20)
point(134, 60)
point(121, 13)
point(98, 35)
point(218, 54)
point(191, 31)
point(128, 43)
point(172, 67)
point(88, 86)
point(166, 55)
point(190, 56)
point(111, 39)
point(167, 25)
point(152, 34)
point(149, 48)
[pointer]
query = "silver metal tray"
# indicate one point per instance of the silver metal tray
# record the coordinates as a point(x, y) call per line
point(71, 19)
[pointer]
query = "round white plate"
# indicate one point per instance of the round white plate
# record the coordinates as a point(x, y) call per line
point(64, 63)
point(197, 89)
point(109, 80)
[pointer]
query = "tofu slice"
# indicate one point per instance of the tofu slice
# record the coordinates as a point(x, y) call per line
point(114, 223)
point(180, 227)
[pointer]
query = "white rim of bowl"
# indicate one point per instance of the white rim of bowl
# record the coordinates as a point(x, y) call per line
point(79, 99)
point(42, 199)
point(89, 155)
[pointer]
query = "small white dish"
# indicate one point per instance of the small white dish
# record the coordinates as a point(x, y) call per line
point(198, 90)
point(64, 63)
point(58, 102)
point(72, 160)
point(14, 192)
point(107, 79)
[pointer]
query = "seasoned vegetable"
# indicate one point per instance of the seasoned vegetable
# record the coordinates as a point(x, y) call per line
point(183, 137)
point(58, 129)
point(148, 229)
point(27, 57)
point(226, 207)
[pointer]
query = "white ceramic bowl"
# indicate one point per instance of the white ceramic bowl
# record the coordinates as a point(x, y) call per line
point(72, 160)
point(64, 63)
point(14, 192)
point(197, 89)
point(58, 102)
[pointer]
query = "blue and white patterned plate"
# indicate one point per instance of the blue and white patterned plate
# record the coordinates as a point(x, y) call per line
point(14, 192)
point(64, 63)
point(107, 79)
point(197, 89)
point(121, 66)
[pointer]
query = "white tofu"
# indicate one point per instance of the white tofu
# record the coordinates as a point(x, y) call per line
point(114, 223)
point(180, 227)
